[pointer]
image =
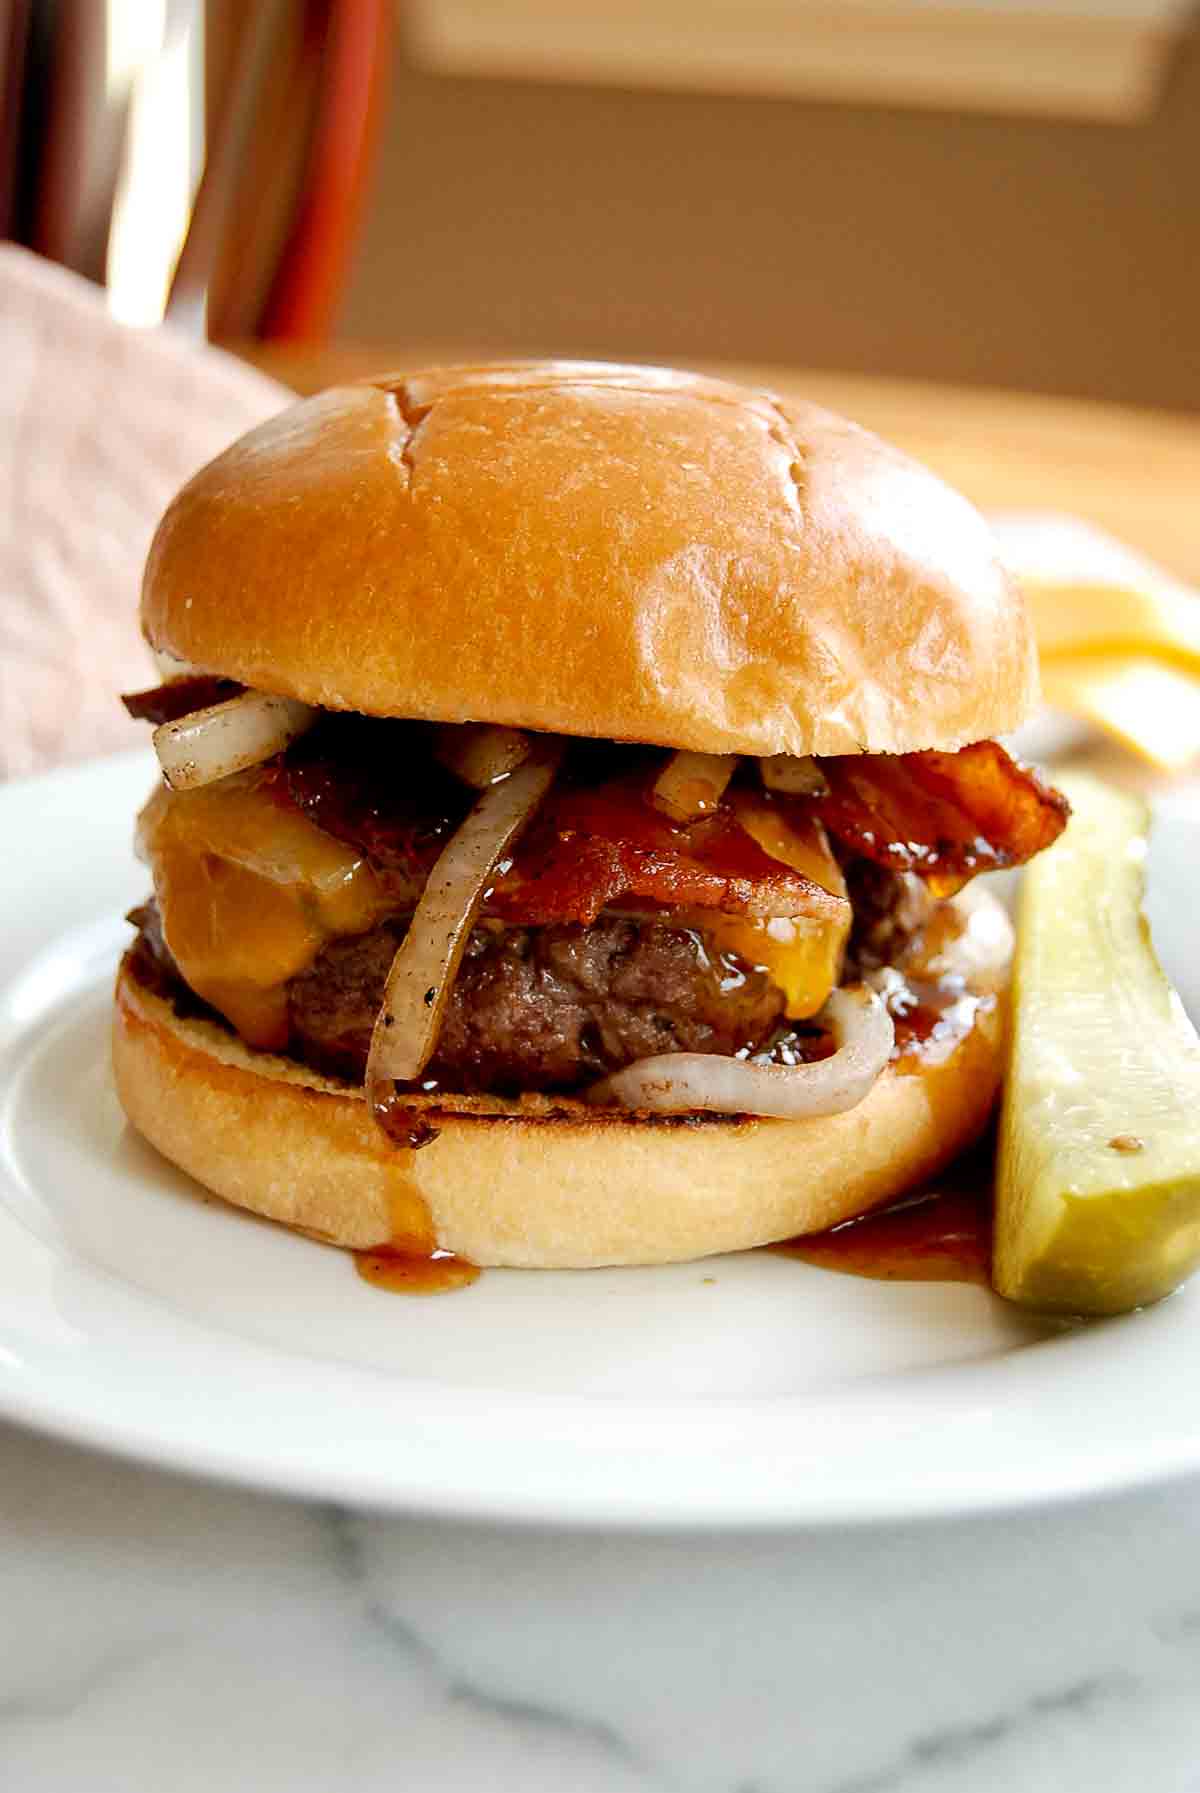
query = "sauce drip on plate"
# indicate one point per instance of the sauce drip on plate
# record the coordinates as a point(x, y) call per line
point(415, 1273)
point(941, 1234)
point(411, 1262)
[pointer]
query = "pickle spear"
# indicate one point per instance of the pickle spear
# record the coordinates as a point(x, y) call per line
point(1098, 1180)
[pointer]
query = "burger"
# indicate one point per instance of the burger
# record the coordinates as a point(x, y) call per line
point(575, 776)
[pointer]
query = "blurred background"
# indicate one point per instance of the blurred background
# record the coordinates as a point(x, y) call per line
point(988, 192)
point(973, 225)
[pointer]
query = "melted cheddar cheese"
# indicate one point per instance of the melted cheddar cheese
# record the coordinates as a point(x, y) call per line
point(802, 955)
point(250, 891)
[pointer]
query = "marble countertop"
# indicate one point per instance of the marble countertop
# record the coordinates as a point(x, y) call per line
point(161, 1633)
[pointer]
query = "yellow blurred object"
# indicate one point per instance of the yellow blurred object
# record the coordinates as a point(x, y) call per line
point(1119, 640)
point(1148, 704)
point(1112, 620)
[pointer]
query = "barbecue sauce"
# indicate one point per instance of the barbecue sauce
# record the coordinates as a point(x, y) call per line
point(415, 1273)
point(412, 1262)
point(942, 1234)
point(932, 1016)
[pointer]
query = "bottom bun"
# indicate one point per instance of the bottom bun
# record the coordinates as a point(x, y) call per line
point(553, 1183)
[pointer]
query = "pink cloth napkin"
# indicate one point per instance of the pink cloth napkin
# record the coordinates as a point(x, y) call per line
point(98, 427)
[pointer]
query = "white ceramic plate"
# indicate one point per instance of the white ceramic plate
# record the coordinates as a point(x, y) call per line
point(137, 1315)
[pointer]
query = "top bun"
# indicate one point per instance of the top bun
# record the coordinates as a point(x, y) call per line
point(627, 552)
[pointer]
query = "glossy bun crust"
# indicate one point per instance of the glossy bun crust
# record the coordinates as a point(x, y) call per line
point(549, 1183)
point(600, 550)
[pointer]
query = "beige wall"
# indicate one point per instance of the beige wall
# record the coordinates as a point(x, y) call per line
point(521, 217)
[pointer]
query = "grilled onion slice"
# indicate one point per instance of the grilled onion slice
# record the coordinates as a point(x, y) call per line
point(427, 961)
point(792, 775)
point(228, 737)
point(481, 752)
point(682, 1082)
point(692, 784)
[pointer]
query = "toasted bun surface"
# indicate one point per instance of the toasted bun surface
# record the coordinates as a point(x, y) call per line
point(547, 1184)
point(598, 550)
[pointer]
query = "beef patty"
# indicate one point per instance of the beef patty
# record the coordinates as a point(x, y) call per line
point(554, 1008)
point(550, 1008)
point(547, 1008)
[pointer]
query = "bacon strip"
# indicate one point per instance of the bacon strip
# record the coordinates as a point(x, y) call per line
point(179, 697)
point(594, 845)
point(599, 841)
point(593, 841)
point(945, 816)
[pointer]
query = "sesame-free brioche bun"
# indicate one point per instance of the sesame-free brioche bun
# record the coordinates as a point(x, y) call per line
point(548, 1182)
point(623, 552)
